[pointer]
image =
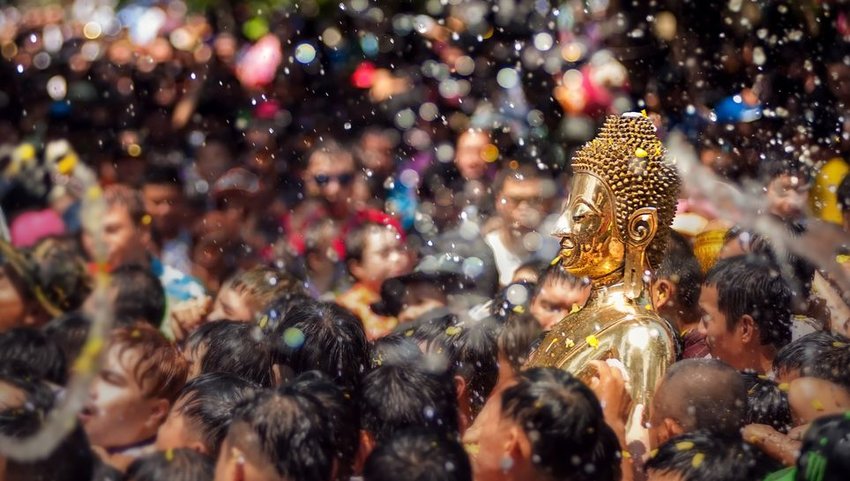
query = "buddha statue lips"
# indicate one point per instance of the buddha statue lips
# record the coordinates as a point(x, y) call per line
point(613, 231)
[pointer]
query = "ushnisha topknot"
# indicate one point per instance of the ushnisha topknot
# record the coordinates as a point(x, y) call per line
point(628, 156)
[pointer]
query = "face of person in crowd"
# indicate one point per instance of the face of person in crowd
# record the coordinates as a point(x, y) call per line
point(212, 161)
point(164, 203)
point(725, 344)
point(126, 241)
point(503, 452)
point(330, 178)
point(520, 205)
point(590, 244)
point(419, 298)
point(12, 304)
point(118, 412)
point(384, 256)
point(469, 157)
point(787, 195)
point(555, 301)
point(377, 152)
point(231, 305)
point(176, 432)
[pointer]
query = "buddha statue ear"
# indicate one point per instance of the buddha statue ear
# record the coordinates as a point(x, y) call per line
point(640, 230)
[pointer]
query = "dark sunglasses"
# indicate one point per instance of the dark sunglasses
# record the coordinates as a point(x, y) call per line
point(343, 179)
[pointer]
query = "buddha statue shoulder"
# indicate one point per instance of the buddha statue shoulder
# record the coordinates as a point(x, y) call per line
point(613, 230)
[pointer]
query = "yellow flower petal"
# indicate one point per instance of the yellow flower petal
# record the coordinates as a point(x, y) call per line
point(592, 341)
point(684, 445)
point(67, 164)
point(452, 330)
point(640, 153)
point(575, 308)
point(817, 405)
point(697, 459)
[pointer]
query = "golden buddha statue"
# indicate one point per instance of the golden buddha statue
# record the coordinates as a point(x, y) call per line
point(613, 230)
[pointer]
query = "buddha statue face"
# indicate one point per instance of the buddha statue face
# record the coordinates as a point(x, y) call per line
point(590, 242)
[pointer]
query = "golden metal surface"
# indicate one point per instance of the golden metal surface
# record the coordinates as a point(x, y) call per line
point(707, 246)
point(613, 230)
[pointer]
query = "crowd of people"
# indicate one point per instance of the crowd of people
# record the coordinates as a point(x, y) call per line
point(317, 234)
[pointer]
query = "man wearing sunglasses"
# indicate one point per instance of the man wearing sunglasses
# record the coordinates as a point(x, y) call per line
point(329, 178)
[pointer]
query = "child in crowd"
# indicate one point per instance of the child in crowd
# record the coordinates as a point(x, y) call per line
point(139, 381)
point(557, 294)
point(200, 416)
point(230, 347)
point(375, 252)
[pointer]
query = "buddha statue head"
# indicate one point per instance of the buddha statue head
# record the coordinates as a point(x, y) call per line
point(622, 201)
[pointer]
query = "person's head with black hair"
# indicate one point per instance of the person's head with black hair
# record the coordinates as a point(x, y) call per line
point(231, 347)
point(766, 402)
point(418, 455)
point(547, 421)
point(557, 294)
point(246, 295)
point(24, 405)
point(138, 295)
point(401, 396)
point(322, 336)
point(280, 435)
point(523, 196)
point(746, 312)
point(787, 187)
point(697, 394)
point(516, 337)
point(164, 200)
point(705, 456)
point(825, 453)
point(172, 465)
point(395, 348)
point(342, 413)
point(69, 332)
point(676, 287)
point(201, 414)
point(375, 251)
point(530, 271)
point(31, 347)
point(514, 297)
point(801, 356)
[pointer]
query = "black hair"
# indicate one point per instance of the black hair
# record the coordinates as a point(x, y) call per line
point(702, 456)
point(233, 347)
point(71, 459)
point(805, 353)
point(522, 173)
point(519, 332)
point(292, 434)
point(395, 348)
point(418, 455)
point(825, 452)
point(766, 402)
point(536, 265)
point(556, 273)
point(681, 267)
point(172, 465)
point(158, 174)
point(139, 296)
point(341, 411)
point(831, 364)
point(751, 285)
point(504, 303)
point(69, 331)
point(564, 421)
point(472, 349)
point(397, 397)
point(323, 336)
point(39, 353)
point(207, 403)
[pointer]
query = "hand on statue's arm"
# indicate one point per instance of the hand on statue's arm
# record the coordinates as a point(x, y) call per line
point(773, 443)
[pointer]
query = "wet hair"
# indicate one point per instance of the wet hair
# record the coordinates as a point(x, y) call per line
point(766, 402)
point(503, 304)
point(556, 274)
point(703, 456)
point(233, 347)
point(173, 465)
point(395, 348)
point(31, 347)
point(418, 455)
point(563, 420)
point(803, 354)
point(397, 397)
point(825, 453)
point(681, 267)
point(161, 370)
point(69, 331)
point(519, 332)
point(323, 336)
point(72, 458)
point(473, 352)
point(262, 285)
point(207, 403)
point(118, 195)
point(750, 285)
point(291, 434)
point(139, 295)
point(703, 394)
point(536, 265)
point(831, 364)
point(163, 175)
point(341, 411)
